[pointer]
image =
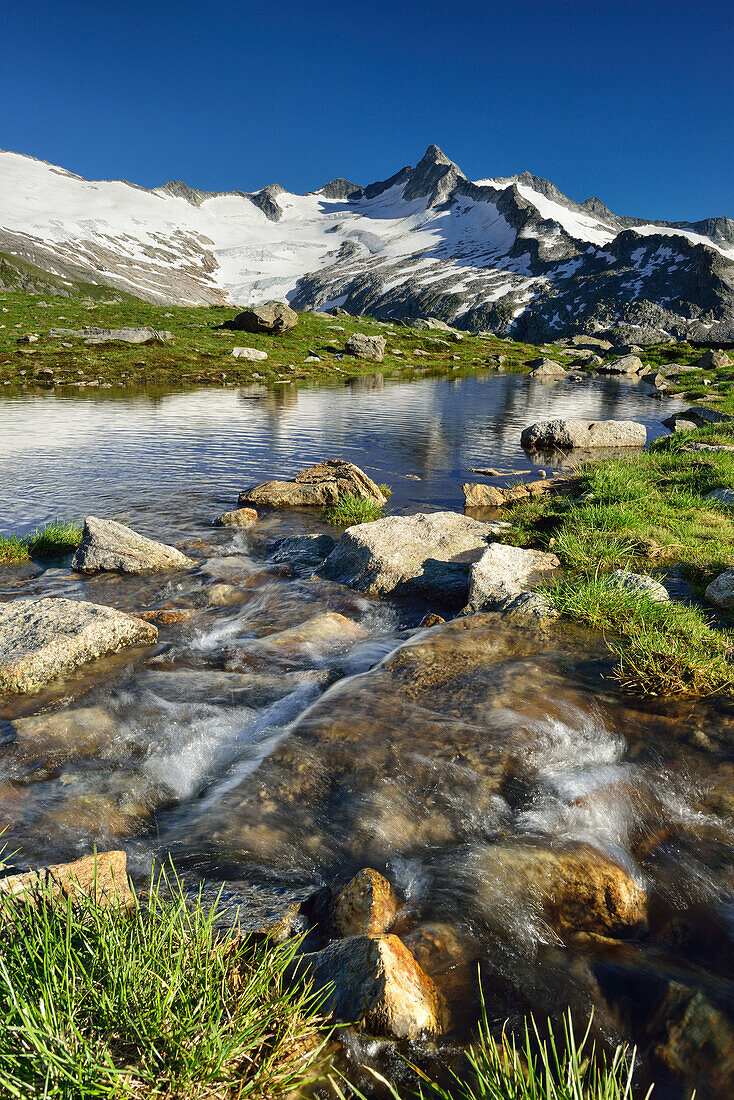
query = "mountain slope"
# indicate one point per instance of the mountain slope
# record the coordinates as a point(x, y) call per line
point(509, 254)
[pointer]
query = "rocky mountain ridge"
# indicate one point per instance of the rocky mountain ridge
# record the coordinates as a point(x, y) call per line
point(511, 254)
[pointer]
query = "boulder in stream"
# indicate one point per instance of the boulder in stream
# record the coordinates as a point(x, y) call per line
point(323, 635)
point(721, 590)
point(110, 547)
point(427, 555)
point(505, 571)
point(567, 435)
point(42, 639)
point(375, 983)
point(317, 486)
point(239, 517)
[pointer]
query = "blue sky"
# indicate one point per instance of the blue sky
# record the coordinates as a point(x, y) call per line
point(630, 101)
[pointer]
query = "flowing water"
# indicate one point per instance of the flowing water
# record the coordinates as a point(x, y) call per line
point(451, 759)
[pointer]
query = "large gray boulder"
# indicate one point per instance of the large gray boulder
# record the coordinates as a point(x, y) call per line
point(567, 435)
point(315, 487)
point(366, 347)
point(428, 555)
point(713, 359)
point(376, 984)
point(699, 416)
point(547, 368)
point(94, 335)
point(626, 364)
point(505, 571)
point(109, 547)
point(272, 318)
point(41, 640)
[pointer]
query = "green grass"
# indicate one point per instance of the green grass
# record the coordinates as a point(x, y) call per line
point(50, 541)
point(351, 509)
point(201, 352)
point(97, 1003)
point(535, 1069)
point(647, 513)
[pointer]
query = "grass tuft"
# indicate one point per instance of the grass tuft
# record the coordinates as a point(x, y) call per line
point(537, 1069)
point(50, 541)
point(153, 1003)
point(351, 509)
point(661, 648)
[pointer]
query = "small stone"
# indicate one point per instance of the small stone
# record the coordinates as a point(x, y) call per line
point(167, 616)
point(251, 354)
point(367, 905)
point(640, 583)
point(431, 619)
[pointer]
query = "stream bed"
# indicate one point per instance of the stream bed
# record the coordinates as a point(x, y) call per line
point(449, 759)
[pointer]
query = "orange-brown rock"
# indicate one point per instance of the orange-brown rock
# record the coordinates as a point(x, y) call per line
point(367, 905)
point(240, 517)
point(431, 619)
point(374, 983)
point(167, 616)
point(101, 877)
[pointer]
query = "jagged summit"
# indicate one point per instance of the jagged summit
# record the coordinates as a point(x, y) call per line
point(513, 254)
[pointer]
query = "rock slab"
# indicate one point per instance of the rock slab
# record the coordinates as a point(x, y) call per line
point(41, 640)
point(101, 877)
point(110, 547)
point(426, 555)
point(316, 487)
point(567, 435)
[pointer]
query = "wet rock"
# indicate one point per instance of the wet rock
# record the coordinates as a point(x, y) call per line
point(320, 485)
point(234, 689)
point(323, 635)
point(43, 639)
point(573, 889)
point(694, 1039)
point(640, 583)
point(240, 517)
point(253, 355)
point(431, 619)
point(505, 571)
point(366, 347)
point(626, 364)
point(721, 590)
point(305, 551)
point(477, 495)
point(112, 547)
point(375, 983)
point(529, 607)
point(224, 595)
point(721, 496)
point(547, 368)
point(713, 359)
point(585, 434)
point(36, 747)
point(167, 616)
point(426, 555)
point(101, 877)
point(273, 318)
point(366, 906)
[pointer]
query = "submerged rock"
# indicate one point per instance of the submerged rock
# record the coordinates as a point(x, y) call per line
point(306, 551)
point(530, 607)
point(36, 746)
point(323, 635)
point(101, 877)
point(366, 906)
point(573, 889)
point(41, 640)
point(505, 571)
point(375, 983)
point(640, 583)
point(111, 547)
point(426, 555)
point(366, 347)
point(585, 434)
point(317, 486)
point(273, 318)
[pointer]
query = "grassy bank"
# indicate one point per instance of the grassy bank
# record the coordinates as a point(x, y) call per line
point(201, 351)
point(97, 1003)
point(647, 514)
point(46, 543)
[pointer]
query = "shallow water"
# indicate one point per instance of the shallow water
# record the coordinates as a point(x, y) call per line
point(440, 757)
